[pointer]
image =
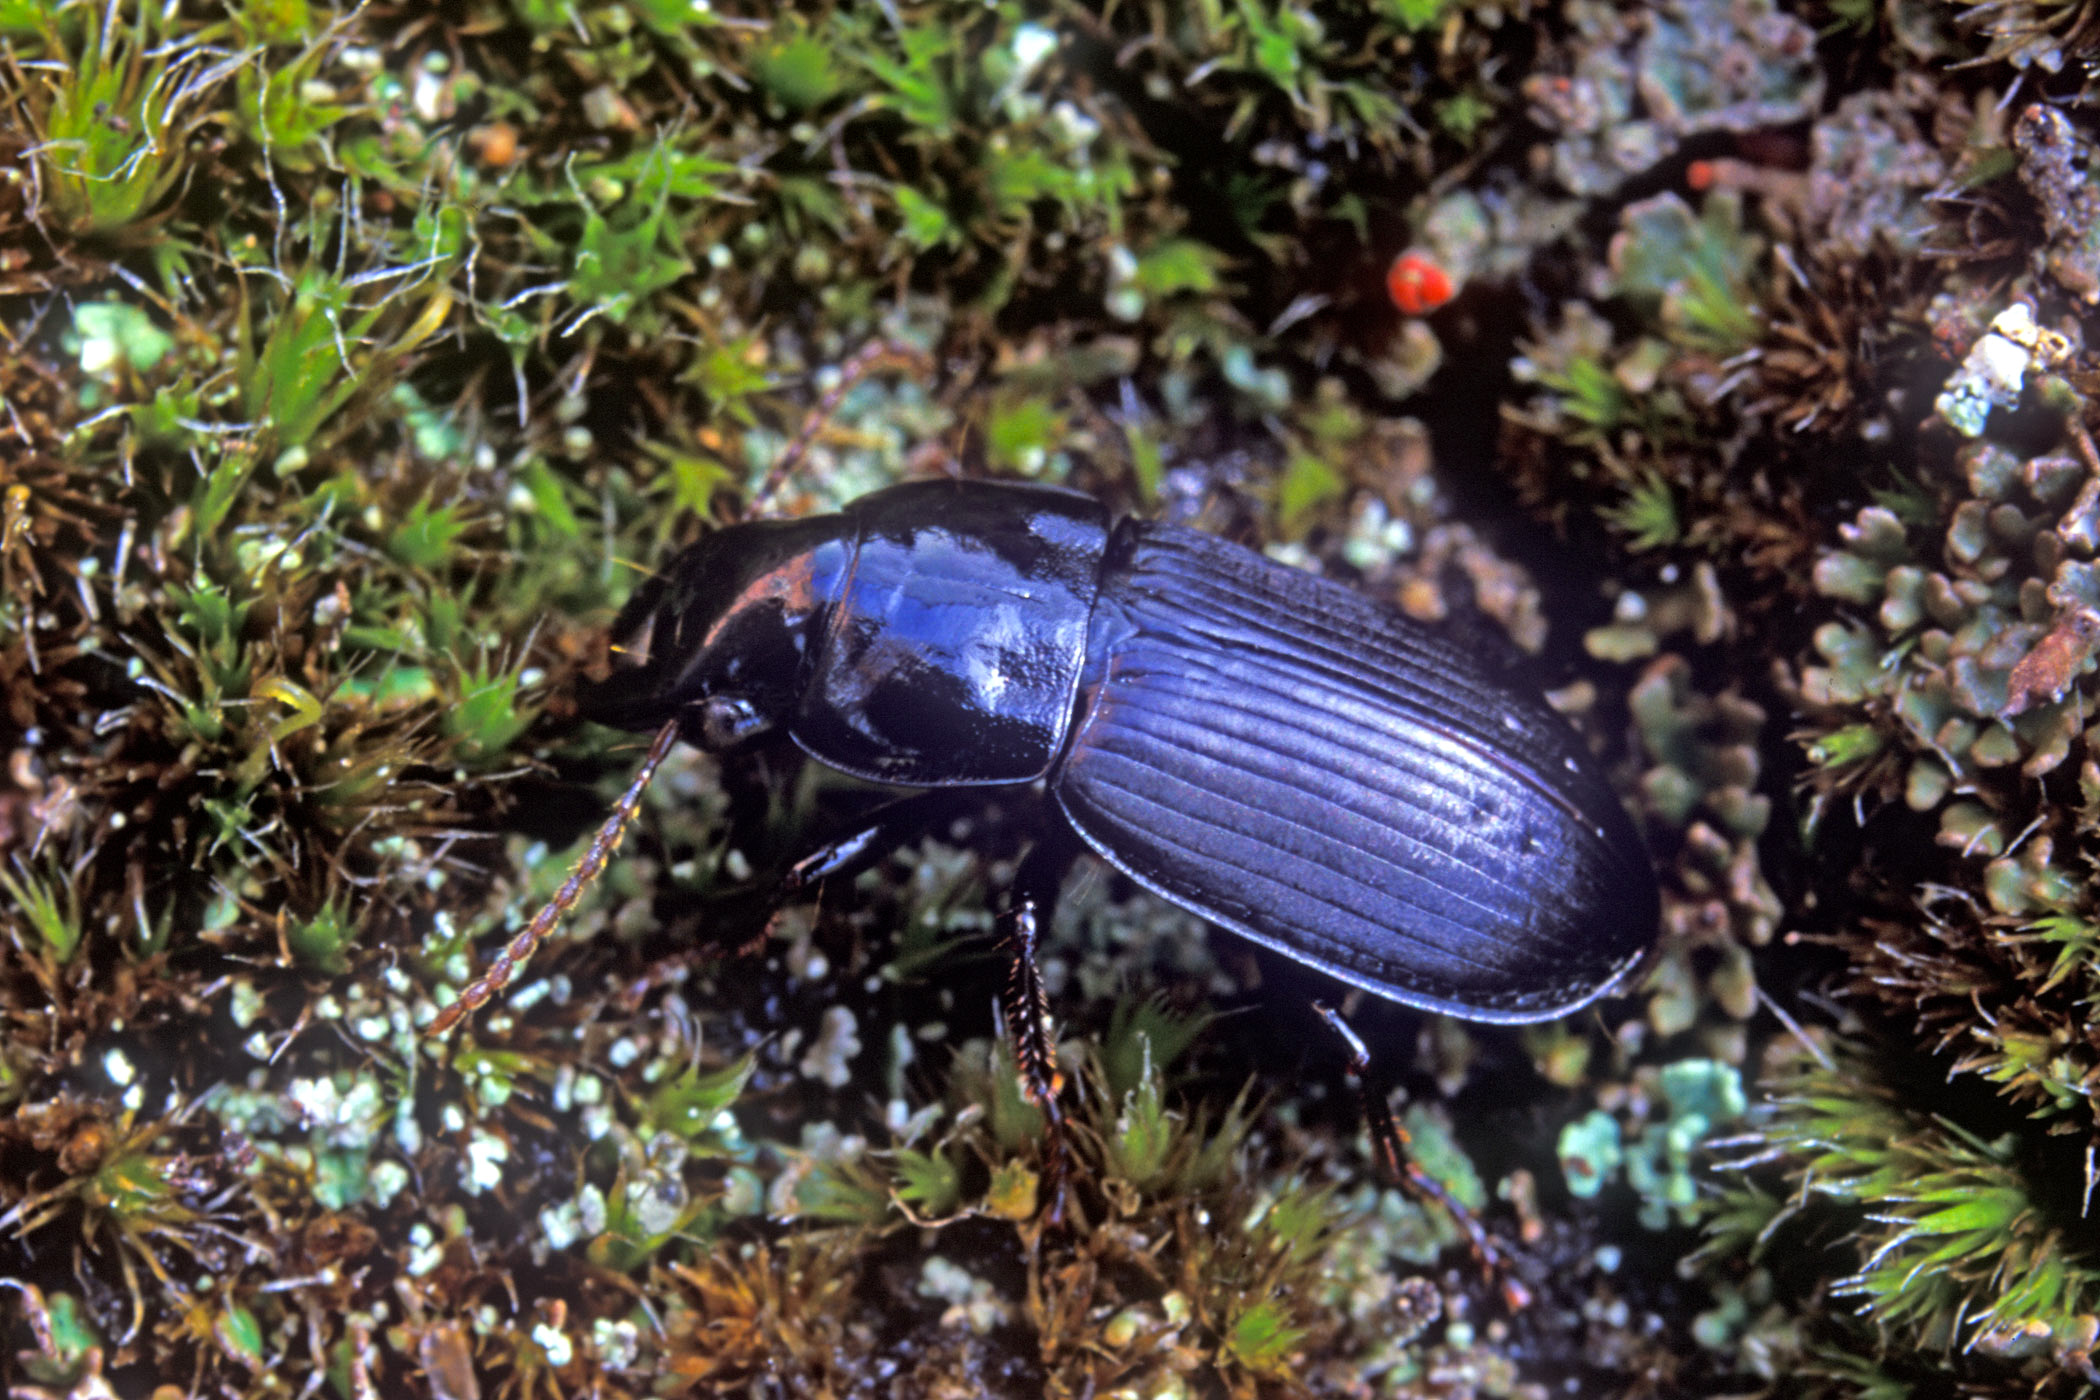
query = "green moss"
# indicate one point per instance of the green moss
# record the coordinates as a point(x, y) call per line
point(360, 363)
point(1956, 1243)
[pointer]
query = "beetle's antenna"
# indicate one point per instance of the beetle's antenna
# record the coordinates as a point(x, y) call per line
point(876, 355)
point(1389, 1142)
point(594, 860)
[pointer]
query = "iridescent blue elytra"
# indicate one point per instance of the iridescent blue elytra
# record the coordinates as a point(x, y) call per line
point(1262, 746)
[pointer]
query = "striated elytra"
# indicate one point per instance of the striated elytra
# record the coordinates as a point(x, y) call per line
point(1264, 747)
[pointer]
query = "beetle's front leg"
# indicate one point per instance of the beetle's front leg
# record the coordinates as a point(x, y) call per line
point(736, 923)
point(1029, 908)
point(890, 827)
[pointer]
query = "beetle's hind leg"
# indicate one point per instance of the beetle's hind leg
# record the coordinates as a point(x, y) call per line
point(1389, 1143)
point(1029, 908)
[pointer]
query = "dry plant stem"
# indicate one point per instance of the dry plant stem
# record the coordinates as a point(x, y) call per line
point(588, 869)
point(880, 354)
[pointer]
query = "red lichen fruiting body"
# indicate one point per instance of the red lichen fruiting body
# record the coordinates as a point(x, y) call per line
point(1416, 284)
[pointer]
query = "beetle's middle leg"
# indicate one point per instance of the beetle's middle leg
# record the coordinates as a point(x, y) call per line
point(1029, 908)
point(1031, 903)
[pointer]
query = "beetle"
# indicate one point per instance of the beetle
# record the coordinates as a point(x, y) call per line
point(1257, 744)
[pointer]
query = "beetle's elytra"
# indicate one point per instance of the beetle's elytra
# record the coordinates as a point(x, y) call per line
point(1259, 745)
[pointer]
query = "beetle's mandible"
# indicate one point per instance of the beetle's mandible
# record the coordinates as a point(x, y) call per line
point(1264, 747)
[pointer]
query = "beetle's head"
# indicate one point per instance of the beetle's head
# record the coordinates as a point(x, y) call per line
point(719, 639)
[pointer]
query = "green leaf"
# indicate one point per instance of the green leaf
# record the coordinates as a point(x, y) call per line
point(112, 111)
point(1144, 1036)
point(1262, 1338)
point(549, 501)
point(1993, 1211)
point(919, 91)
point(1014, 1193)
point(240, 1334)
point(1147, 463)
point(845, 1192)
point(322, 941)
point(209, 615)
point(730, 374)
point(110, 333)
point(932, 1183)
point(1145, 1134)
point(1179, 265)
point(926, 223)
point(219, 488)
point(51, 910)
point(1309, 482)
point(289, 112)
point(485, 717)
point(1021, 433)
point(1647, 515)
point(71, 1331)
point(1018, 178)
point(1464, 114)
point(1414, 15)
point(689, 1105)
point(799, 72)
point(628, 253)
point(425, 539)
point(1848, 745)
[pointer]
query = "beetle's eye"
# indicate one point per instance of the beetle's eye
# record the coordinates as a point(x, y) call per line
point(727, 720)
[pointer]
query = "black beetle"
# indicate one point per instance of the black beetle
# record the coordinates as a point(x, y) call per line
point(1262, 746)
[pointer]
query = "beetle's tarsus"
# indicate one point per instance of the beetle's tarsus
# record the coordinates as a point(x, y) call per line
point(1389, 1146)
point(478, 992)
point(1029, 908)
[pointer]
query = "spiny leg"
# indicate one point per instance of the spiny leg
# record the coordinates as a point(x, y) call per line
point(1389, 1143)
point(736, 923)
point(1028, 912)
point(594, 861)
point(880, 354)
point(887, 828)
point(1029, 908)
